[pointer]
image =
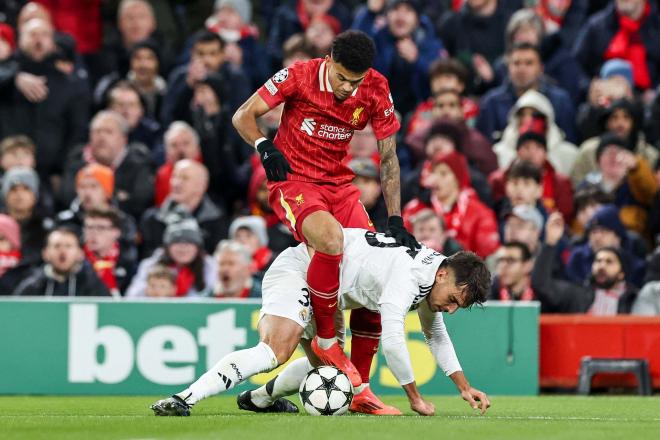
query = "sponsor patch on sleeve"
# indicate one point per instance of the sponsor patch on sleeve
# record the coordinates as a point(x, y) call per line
point(271, 87)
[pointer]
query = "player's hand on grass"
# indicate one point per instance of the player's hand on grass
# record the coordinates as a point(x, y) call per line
point(477, 399)
point(422, 407)
point(273, 160)
point(396, 230)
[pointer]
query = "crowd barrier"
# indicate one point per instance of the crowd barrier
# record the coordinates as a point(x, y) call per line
point(96, 346)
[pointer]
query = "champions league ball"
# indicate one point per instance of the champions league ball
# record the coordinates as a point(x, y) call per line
point(326, 391)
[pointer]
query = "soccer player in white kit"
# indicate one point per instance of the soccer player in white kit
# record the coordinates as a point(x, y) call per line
point(377, 274)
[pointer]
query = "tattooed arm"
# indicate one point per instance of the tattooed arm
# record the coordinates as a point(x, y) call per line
point(390, 179)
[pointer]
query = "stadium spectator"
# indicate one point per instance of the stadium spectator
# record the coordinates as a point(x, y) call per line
point(605, 230)
point(295, 17)
point(30, 10)
point(526, 26)
point(469, 221)
point(429, 229)
point(40, 101)
point(512, 280)
point(648, 300)
point(320, 34)
point(207, 57)
point(522, 187)
point(586, 201)
point(232, 20)
point(524, 224)
point(623, 118)
point(363, 145)
point(188, 197)
point(446, 75)
point(20, 191)
point(234, 277)
point(605, 291)
point(525, 70)
point(125, 99)
point(250, 231)
point(94, 191)
point(627, 178)
point(64, 272)
point(613, 84)
point(447, 106)
point(113, 263)
point(181, 142)
point(627, 29)
point(533, 114)
point(564, 17)
point(7, 41)
point(446, 136)
point(279, 236)
point(108, 146)
point(405, 48)
point(183, 252)
point(556, 189)
point(12, 268)
point(367, 179)
point(143, 74)
point(161, 282)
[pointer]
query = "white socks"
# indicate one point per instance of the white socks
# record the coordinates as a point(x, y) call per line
point(231, 370)
point(285, 384)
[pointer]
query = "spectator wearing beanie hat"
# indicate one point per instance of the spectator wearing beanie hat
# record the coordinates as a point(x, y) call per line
point(626, 177)
point(20, 191)
point(251, 232)
point(94, 191)
point(444, 136)
point(605, 229)
point(183, 252)
point(534, 116)
point(557, 191)
point(467, 220)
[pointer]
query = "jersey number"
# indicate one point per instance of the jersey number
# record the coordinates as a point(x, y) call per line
point(378, 239)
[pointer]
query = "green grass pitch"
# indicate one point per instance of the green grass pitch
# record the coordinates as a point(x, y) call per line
point(562, 417)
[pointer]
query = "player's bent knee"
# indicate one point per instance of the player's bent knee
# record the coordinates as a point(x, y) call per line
point(323, 232)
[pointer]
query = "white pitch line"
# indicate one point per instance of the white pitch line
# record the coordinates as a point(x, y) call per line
point(586, 419)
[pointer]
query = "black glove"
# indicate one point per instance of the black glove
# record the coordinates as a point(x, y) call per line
point(396, 230)
point(274, 162)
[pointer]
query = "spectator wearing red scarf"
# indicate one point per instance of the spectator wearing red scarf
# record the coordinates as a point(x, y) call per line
point(113, 265)
point(512, 281)
point(468, 220)
point(628, 30)
point(10, 244)
point(183, 252)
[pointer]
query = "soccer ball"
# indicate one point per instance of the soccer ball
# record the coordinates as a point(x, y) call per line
point(326, 391)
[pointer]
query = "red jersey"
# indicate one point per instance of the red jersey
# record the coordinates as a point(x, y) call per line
point(316, 127)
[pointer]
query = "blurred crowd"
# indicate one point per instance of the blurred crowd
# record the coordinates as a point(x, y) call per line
point(530, 135)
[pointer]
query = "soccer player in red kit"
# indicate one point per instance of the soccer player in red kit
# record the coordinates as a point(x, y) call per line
point(310, 188)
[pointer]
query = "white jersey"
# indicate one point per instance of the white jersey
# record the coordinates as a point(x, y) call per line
point(382, 276)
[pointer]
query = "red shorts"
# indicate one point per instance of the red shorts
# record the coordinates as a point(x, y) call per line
point(293, 201)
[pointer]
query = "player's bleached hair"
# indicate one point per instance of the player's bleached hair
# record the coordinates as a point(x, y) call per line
point(119, 119)
point(235, 247)
point(471, 274)
point(354, 50)
point(180, 126)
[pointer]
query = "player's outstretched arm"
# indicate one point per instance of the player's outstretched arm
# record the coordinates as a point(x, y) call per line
point(477, 399)
point(390, 181)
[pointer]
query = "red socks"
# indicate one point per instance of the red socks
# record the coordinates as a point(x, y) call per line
point(365, 335)
point(323, 283)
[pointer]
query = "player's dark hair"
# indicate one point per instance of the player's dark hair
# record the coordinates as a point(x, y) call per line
point(449, 66)
point(206, 36)
point(523, 169)
point(525, 254)
point(471, 274)
point(524, 46)
point(590, 195)
point(354, 50)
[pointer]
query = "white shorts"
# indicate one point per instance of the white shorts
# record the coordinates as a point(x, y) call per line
point(284, 292)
